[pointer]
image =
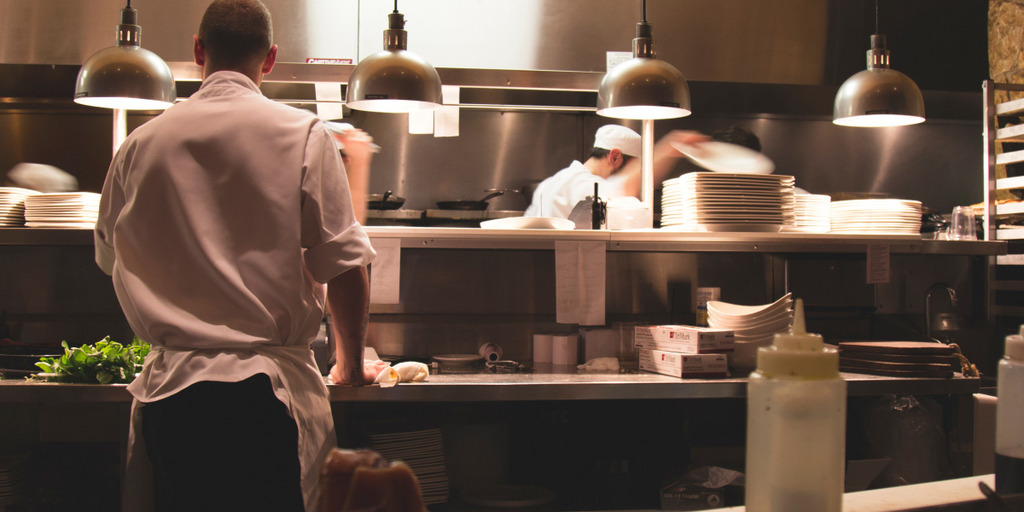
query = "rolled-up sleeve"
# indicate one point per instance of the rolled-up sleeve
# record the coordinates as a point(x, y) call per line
point(333, 241)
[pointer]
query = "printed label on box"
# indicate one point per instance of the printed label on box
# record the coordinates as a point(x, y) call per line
point(684, 365)
point(684, 339)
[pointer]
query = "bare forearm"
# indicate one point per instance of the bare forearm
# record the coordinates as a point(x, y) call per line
point(348, 299)
point(359, 186)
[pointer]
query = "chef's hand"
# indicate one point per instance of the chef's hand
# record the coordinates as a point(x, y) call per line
point(369, 373)
point(357, 147)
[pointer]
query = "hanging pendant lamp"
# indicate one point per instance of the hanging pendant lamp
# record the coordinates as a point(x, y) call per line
point(394, 80)
point(644, 87)
point(126, 76)
point(878, 96)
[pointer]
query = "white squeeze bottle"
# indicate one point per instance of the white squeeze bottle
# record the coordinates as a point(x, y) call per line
point(796, 425)
point(1010, 418)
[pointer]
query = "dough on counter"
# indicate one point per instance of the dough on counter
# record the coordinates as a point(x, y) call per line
point(411, 371)
point(387, 377)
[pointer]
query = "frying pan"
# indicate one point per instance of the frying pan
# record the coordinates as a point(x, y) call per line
point(385, 201)
point(469, 205)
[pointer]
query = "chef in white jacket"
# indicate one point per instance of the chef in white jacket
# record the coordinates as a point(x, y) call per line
point(612, 164)
point(227, 226)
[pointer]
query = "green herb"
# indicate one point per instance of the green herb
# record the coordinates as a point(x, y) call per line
point(106, 362)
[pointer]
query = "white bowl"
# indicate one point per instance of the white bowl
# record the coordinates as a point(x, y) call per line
point(726, 310)
point(743, 358)
point(766, 328)
point(751, 322)
point(762, 339)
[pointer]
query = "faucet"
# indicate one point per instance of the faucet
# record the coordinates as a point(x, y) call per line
point(943, 321)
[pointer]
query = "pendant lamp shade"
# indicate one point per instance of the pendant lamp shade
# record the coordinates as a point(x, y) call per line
point(394, 80)
point(878, 96)
point(126, 76)
point(643, 87)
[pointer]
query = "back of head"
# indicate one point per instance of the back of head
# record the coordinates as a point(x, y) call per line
point(236, 34)
point(613, 136)
point(739, 136)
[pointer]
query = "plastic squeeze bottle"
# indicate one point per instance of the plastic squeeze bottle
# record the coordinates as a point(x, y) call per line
point(1010, 418)
point(796, 425)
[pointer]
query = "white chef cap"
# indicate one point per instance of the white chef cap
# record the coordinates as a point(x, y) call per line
point(614, 136)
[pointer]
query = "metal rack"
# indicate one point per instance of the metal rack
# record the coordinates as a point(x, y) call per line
point(1004, 146)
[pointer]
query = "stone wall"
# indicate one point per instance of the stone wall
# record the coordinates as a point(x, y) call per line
point(1006, 63)
point(1006, 41)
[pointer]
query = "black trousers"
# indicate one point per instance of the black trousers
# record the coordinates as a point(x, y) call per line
point(223, 446)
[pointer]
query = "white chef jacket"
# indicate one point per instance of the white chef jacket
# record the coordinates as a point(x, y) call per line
point(557, 195)
point(220, 221)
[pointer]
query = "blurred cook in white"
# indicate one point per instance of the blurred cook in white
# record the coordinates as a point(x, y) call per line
point(612, 164)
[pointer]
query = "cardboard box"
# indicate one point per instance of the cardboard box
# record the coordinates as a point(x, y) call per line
point(692, 498)
point(684, 339)
point(694, 366)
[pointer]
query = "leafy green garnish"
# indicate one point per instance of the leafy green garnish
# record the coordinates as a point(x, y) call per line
point(106, 362)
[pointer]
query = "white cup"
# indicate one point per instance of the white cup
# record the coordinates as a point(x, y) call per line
point(564, 350)
point(542, 348)
point(962, 227)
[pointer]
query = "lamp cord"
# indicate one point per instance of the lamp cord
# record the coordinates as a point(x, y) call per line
point(643, 14)
point(396, 6)
point(876, 15)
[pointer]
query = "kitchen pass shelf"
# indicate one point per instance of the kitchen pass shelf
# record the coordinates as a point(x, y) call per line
point(650, 240)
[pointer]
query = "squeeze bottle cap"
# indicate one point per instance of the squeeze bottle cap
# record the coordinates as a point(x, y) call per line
point(1015, 345)
point(798, 354)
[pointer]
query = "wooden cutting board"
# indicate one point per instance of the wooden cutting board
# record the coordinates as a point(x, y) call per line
point(941, 371)
point(896, 347)
point(898, 358)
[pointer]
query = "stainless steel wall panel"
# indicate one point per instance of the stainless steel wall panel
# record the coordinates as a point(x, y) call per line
point(782, 41)
point(69, 31)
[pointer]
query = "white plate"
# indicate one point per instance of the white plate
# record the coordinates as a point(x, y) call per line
point(60, 225)
point(750, 227)
point(528, 223)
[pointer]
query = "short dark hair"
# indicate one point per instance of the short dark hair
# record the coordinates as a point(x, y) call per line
point(598, 153)
point(236, 33)
point(738, 135)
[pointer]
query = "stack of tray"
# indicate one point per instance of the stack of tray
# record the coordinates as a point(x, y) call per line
point(898, 358)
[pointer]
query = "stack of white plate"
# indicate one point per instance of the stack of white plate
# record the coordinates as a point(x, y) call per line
point(876, 217)
point(754, 326)
point(718, 201)
point(12, 205)
point(423, 452)
point(812, 213)
point(62, 210)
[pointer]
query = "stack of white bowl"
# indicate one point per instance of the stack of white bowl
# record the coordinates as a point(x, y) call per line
point(754, 326)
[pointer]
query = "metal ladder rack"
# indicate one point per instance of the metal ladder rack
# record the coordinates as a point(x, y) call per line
point(1004, 146)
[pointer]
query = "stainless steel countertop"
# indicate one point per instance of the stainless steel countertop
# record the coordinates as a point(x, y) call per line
point(517, 387)
point(652, 240)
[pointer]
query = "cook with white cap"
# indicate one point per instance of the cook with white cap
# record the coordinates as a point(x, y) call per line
point(612, 165)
